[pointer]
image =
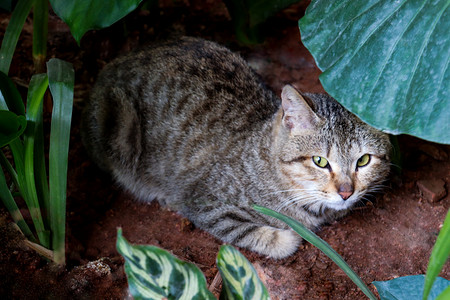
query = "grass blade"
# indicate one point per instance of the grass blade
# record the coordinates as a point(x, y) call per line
point(11, 206)
point(36, 97)
point(40, 31)
point(439, 256)
point(38, 85)
point(61, 81)
point(12, 33)
point(309, 236)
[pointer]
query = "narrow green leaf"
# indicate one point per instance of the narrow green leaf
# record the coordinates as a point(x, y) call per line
point(35, 172)
point(61, 77)
point(11, 126)
point(439, 256)
point(312, 238)
point(82, 16)
point(11, 206)
point(39, 154)
point(240, 280)
point(408, 288)
point(37, 88)
point(154, 273)
point(12, 33)
point(10, 98)
point(40, 31)
point(385, 61)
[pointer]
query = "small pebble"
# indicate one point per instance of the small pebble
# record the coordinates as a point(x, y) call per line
point(432, 190)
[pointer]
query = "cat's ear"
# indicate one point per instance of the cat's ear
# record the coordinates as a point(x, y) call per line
point(298, 116)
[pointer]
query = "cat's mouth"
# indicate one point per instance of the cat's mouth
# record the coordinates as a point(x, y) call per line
point(326, 206)
point(340, 204)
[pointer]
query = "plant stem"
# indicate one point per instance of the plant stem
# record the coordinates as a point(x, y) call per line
point(40, 31)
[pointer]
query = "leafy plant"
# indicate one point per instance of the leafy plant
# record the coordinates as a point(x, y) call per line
point(22, 130)
point(386, 61)
point(154, 273)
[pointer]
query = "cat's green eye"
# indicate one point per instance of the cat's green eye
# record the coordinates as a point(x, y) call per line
point(363, 160)
point(320, 161)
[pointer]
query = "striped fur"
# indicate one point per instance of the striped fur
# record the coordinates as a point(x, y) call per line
point(190, 124)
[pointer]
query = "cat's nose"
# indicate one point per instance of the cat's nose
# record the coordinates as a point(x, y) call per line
point(345, 190)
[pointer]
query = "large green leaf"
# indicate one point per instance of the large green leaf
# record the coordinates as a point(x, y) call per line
point(154, 273)
point(323, 246)
point(439, 255)
point(240, 280)
point(82, 16)
point(386, 61)
point(408, 288)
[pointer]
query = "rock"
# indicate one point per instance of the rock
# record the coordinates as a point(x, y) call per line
point(432, 190)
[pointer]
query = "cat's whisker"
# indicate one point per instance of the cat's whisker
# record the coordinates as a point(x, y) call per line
point(288, 191)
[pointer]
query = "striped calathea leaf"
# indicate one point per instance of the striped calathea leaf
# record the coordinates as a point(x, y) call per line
point(154, 273)
point(240, 280)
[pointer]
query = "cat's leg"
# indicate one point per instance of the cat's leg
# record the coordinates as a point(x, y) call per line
point(244, 227)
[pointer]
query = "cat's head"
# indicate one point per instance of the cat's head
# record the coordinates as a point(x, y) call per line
point(327, 157)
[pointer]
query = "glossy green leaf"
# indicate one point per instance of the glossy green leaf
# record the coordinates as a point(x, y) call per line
point(439, 255)
point(11, 126)
point(61, 78)
point(154, 273)
point(240, 280)
point(247, 15)
point(408, 288)
point(82, 16)
point(385, 61)
point(12, 33)
point(323, 246)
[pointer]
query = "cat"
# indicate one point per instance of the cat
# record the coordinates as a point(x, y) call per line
point(189, 123)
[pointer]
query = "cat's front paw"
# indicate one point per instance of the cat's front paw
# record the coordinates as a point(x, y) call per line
point(275, 243)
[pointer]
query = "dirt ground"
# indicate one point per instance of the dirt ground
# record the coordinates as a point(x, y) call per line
point(390, 237)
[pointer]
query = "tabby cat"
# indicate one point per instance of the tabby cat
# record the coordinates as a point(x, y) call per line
point(190, 124)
